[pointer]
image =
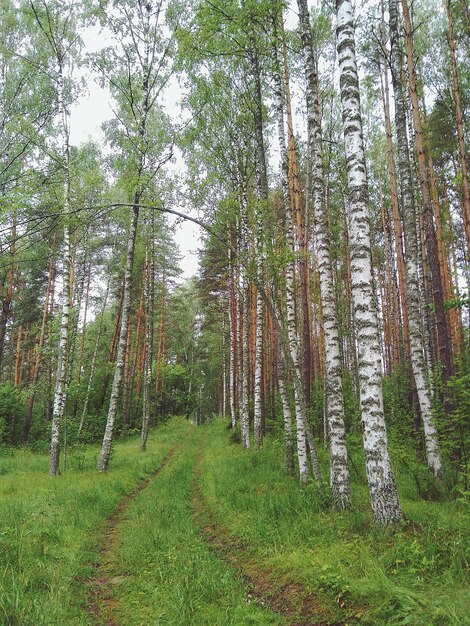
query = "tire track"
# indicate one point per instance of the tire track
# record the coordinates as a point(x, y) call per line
point(291, 600)
point(100, 603)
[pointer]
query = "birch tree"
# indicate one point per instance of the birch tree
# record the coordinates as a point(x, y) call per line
point(421, 376)
point(339, 473)
point(381, 482)
point(57, 30)
point(292, 334)
point(137, 68)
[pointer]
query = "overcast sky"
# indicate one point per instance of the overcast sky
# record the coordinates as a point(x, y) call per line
point(93, 108)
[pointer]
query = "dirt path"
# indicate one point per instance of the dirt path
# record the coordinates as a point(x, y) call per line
point(100, 605)
point(291, 600)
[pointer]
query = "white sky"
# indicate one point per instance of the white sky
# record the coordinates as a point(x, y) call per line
point(94, 107)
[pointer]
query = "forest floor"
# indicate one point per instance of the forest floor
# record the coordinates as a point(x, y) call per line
point(197, 531)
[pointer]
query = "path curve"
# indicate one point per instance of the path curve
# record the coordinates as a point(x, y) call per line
point(100, 603)
point(291, 600)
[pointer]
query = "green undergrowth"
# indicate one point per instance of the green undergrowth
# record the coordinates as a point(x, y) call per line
point(413, 574)
point(171, 575)
point(50, 527)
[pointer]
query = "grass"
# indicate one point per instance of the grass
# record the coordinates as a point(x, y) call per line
point(49, 527)
point(414, 574)
point(171, 575)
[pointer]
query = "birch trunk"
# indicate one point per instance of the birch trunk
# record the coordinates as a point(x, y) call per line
point(258, 381)
point(287, 415)
point(397, 225)
point(261, 189)
point(61, 377)
point(103, 460)
point(431, 243)
point(381, 482)
point(224, 365)
point(147, 361)
point(232, 309)
point(293, 339)
point(418, 364)
point(339, 472)
point(245, 363)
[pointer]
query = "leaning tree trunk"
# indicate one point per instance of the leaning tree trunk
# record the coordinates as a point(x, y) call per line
point(293, 339)
point(418, 365)
point(103, 460)
point(381, 482)
point(339, 473)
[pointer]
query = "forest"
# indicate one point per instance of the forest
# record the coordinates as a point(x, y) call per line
point(280, 434)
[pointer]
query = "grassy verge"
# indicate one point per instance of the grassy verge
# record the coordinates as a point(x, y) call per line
point(414, 574)
point(171, 575)
point(50, 527)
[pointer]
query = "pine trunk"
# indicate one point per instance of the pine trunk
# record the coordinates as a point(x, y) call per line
point(459, 118)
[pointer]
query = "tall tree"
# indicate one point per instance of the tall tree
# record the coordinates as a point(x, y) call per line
point(445, 345)
point(138, 69)
point(339, 473)
point(57, 30)
point(418, 364)
point(381, 482)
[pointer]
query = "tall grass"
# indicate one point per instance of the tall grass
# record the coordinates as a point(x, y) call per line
point(49, 527)
point(171, 575)
point(414, 574)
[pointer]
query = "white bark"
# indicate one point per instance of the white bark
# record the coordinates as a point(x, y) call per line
point(334, 409)
point(224, 368)
point(418, 362)
point(244, 414)
point(293, 339)
point(287, 416)
point(60, 394)
point(147, 359)
point(381, 482)
point(261, 190)
point(232, 322)
point(103, 460)
point(258, 390)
